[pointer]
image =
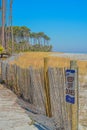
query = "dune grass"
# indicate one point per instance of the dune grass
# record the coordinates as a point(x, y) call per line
point(36, 60)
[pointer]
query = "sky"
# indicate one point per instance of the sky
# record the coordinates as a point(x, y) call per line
point(64, 21)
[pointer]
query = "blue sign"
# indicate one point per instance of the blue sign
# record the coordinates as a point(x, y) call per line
point(70, 86)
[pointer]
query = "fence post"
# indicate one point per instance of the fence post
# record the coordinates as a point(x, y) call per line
point(47, 89)
point(75, 107)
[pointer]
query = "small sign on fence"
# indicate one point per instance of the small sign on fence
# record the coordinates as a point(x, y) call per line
point(70, 86)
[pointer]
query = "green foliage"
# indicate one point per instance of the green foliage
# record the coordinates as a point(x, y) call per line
point(25, 40)
point(42, 48)
point(1, 49)
point(24, 47)
point(21, 33)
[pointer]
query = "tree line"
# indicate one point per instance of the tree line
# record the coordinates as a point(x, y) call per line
point(26, 40)
point(23, 33)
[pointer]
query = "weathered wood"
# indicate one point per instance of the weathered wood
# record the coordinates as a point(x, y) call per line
point(3, 71)
point(10, 82)
point(15, 79)
point(37, 89)
point(22, 82)
point(26, 84)
point(68, 106)
point(18, 81)
point(75, 107)
point(61, 85)
point(55, 96)
point(7, 74)
point(46, 86)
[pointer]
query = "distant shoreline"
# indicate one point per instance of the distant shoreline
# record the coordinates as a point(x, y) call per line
point(74, 56)
point(69, 52)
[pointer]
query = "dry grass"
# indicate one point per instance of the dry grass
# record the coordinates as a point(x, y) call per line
point(36, 60)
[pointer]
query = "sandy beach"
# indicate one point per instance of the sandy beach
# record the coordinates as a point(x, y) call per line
point(75, 56)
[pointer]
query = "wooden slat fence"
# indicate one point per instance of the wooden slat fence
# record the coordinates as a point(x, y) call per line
point(57, 92)
point(29, 84)
point(26, 83)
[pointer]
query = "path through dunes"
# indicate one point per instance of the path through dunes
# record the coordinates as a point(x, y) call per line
point(12, 116)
